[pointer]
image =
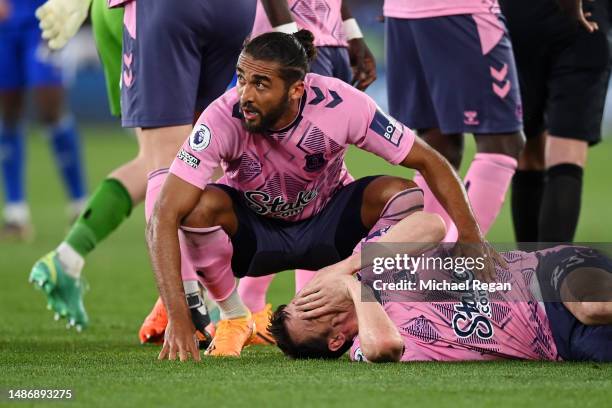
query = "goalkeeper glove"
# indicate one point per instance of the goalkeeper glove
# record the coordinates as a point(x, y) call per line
point(61, 19)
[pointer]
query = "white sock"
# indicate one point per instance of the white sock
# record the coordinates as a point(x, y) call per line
point(17, 213)
point(232, 307)
point(191, 286)
point(210, 304)
point(70, 259)
point(195, 299)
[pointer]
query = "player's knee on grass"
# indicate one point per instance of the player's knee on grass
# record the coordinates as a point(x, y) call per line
point(378, 193)
point(449, 146)
point(510, 144)
point(214, 208)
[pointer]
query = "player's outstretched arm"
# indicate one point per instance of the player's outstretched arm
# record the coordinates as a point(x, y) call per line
point(61, 19)
point(176, 200)
point(379, 339)
point(362, 60)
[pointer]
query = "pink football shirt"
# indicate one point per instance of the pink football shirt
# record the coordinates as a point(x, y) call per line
point(481, 326)
point(291, 173)
point(437, 8)
point(321, 17)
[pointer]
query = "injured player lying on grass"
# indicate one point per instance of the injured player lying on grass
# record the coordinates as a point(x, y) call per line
point(336, 313)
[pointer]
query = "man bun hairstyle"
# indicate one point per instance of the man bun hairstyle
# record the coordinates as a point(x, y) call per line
point(293, 52)
point(306, 40)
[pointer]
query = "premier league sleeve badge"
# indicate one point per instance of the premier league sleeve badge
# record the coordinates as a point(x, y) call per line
point(200, 138)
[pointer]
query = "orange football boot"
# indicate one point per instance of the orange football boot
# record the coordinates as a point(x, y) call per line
point(262, 320)
point(231, 336)
point(154, 325)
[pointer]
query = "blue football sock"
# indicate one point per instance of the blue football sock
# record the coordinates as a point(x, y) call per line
point(12, 159)
point(67, 150)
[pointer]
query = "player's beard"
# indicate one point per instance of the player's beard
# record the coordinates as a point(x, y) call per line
point(268, 120)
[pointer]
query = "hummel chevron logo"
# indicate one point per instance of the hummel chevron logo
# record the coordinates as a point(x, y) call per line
point(499, 75)
point(319, 98)
point(128, 78)
point(337, 100)
point(502, 91)
point(127, 59)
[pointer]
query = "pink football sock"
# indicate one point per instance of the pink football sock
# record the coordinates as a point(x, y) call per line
point(188, 270)
point(209, 252)
point(486, 182)
point(253, 291)
point(154, 185)
point(432, 205)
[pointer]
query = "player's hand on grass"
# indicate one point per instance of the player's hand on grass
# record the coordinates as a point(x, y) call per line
point(326, 293)
point(180, 340)
point(573, 8)
point(61, 19)
point(362, 63)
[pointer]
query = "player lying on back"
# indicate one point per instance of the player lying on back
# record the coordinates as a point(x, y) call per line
point(280, 137)
point(337, 313)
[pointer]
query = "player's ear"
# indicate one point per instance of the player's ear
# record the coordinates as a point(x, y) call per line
point(296, 90)
point(336, 341)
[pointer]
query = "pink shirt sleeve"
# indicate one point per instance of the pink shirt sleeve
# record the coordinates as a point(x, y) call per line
point(373, 130)
point(214, 138)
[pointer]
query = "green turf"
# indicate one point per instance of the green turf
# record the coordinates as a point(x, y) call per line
point(105, 366)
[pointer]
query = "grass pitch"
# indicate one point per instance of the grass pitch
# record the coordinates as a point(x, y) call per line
point(105, 365)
